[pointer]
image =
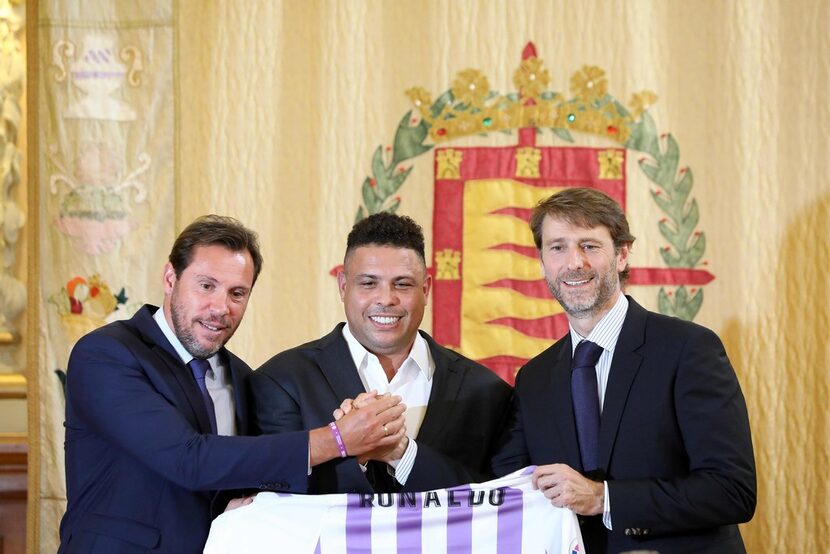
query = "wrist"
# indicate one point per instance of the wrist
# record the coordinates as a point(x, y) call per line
point(599, 495)
point(321, 446)
point(338, 439)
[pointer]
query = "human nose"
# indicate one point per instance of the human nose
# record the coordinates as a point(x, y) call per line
point(220, 303)
point(576, 258)
point(388, 296)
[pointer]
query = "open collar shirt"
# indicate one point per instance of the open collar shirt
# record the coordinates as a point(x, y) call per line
point(412, 382)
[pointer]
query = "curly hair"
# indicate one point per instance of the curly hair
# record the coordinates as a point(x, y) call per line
point(385, 229)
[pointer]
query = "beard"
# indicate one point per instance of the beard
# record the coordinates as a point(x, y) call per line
point(588, 303)
point(184, 332)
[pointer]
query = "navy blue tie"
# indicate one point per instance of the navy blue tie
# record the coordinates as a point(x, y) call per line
point(586, 402)
point(200, 369)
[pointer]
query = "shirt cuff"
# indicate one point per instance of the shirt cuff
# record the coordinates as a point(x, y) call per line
point(606, 508)
point(403, 467)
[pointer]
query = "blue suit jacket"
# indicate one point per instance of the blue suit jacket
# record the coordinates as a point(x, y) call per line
point(142, 468)
point(675, 444)
point(301, 387)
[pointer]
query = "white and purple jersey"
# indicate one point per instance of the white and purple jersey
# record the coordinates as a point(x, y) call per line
point(504, 516)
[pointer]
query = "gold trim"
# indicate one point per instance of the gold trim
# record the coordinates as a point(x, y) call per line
point(12, 385)
point(527, 162)
point(449, 163)
point(13, 438)
point(32, 231)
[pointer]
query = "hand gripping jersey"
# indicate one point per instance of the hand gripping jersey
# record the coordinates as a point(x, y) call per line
point(504, 516)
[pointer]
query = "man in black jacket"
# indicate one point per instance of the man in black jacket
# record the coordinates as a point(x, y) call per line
point(455, 407)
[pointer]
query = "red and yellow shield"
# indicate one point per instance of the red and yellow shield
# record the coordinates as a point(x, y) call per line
point(490, 300)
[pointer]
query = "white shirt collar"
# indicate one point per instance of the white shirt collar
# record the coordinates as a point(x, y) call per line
point(607, 330)
point(177, 344)
point(419, 354)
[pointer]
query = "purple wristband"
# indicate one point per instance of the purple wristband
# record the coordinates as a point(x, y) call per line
point(335, 432)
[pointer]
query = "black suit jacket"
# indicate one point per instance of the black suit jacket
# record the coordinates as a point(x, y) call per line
point(142, 468)
point(300, 388)
point(675, 445)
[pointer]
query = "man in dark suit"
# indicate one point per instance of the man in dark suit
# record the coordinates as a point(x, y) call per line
point(638, 418)
point(153, 404)
point(454, 405)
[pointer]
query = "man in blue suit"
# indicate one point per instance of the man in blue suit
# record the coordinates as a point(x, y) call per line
point(636, 420)
point(154, 404)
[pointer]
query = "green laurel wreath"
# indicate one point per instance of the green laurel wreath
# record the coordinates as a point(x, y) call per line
point(682, 214)
point(661, 166)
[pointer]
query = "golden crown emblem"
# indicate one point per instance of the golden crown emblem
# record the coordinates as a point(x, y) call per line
point(471, 108)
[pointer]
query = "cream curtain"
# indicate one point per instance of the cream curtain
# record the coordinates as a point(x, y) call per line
point(281, 105)
point(105, 167)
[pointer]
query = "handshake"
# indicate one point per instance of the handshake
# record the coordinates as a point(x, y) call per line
point(369, 427)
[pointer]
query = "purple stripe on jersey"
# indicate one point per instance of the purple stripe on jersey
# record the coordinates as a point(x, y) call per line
point(509, 534)
point(317, 548)
point(528, 470)
point(358, 526)
point(409, 523)
point(459, 522)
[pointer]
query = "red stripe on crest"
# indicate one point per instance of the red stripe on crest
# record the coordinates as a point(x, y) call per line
point(549, 327)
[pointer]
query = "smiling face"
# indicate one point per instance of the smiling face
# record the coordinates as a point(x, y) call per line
point(205, 304)
point(581, 268)
point(384, 291)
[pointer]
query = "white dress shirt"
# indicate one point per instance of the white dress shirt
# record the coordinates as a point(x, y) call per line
point(605, 334)
point(412, 382)
point(217, 379)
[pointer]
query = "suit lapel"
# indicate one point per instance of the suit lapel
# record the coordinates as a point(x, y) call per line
point(561, 405)
point(336, 364)
point(624, 367)
point(172, 370)
point(446, 383)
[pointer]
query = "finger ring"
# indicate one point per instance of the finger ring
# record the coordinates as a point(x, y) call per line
point(385, 431)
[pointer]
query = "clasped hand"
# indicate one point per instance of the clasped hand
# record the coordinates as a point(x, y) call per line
point(372, 426)
point(394, 443)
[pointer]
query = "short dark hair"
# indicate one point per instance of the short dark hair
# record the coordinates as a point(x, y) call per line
point(587, 208)
point(385, 229)
point(214, 229)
